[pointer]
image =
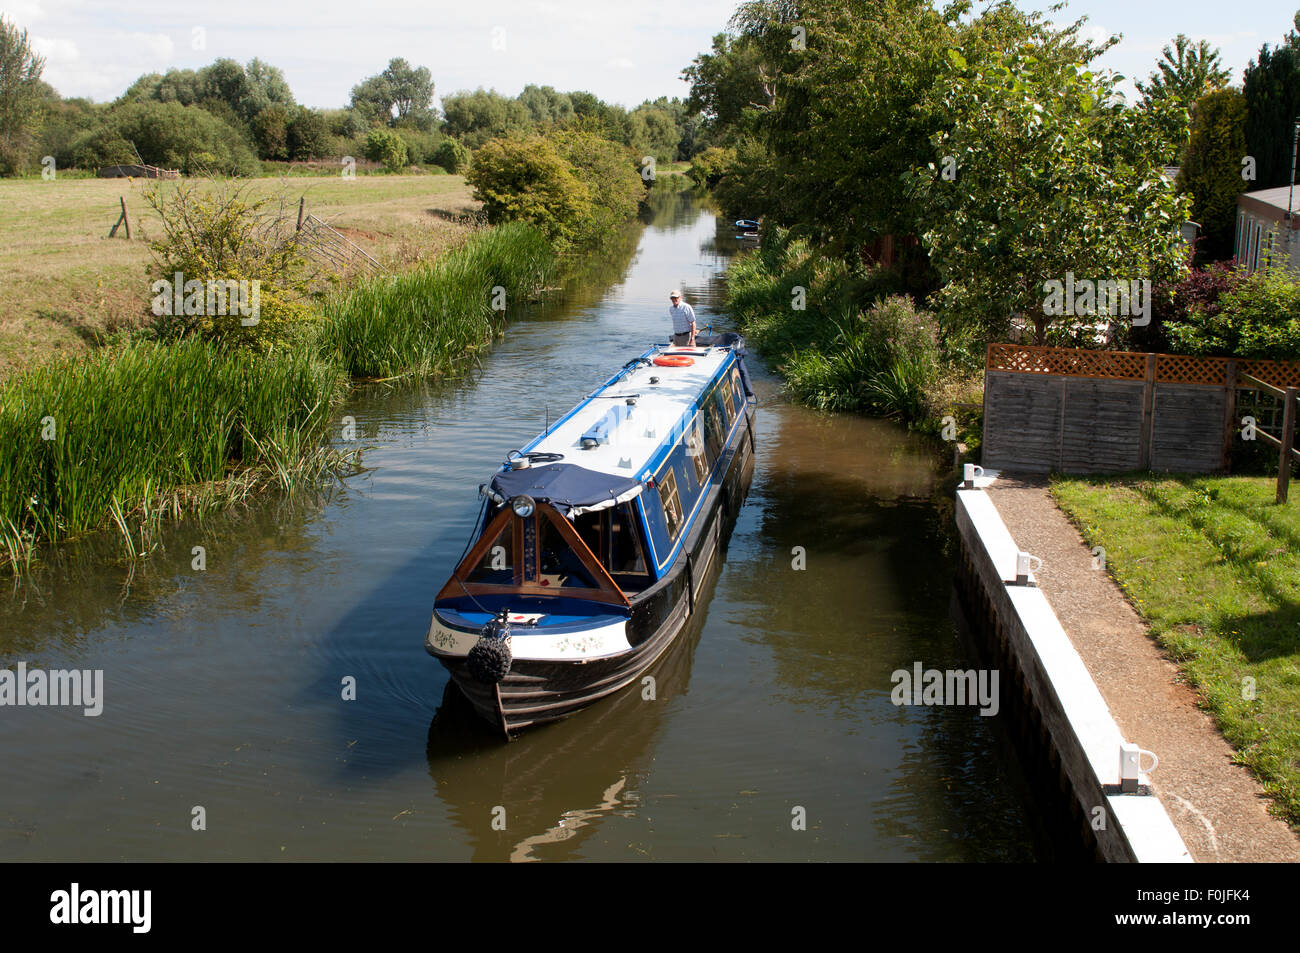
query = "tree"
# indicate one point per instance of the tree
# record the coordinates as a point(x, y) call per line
point(271, 126)
point(166, 134)
point(1211, 169)
point(475, 117)
point(1272, 91)
point(308, 135)
point(729, 82)
point(610, 172)
point(400, 94)
point(1051, 176)
point(1185, 73)
point(20, 95)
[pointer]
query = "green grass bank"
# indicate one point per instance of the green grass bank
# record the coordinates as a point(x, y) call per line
point(1213, 566)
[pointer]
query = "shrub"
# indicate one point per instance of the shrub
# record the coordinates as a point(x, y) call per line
point(309, 136)
point(1257, 318)
point(886, 362)
point(219, 233)
point(708, 168)
point(452, 155)
point(387, 147)
point(609, 171)
point(527, 180)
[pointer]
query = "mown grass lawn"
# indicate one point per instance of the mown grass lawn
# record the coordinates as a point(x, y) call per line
point(1213, 566)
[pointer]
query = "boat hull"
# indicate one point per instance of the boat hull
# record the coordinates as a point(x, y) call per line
point(537, 691)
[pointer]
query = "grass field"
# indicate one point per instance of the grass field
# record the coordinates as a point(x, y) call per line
point(65, 283)
point(1213, 566)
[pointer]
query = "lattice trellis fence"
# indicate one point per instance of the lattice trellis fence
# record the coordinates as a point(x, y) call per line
point(1081, 411)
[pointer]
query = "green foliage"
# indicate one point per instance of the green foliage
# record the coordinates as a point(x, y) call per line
point(1259, 317)
point(20, 96)
point(401, 95)
point(166, 134)
point(309, 136)
point(1049, 174)
point(608, 170)
point(452, 155)
point(854, 345)
point(527, 180)
point(475, 117)
point(271, 129)
point(1185, 73)
point(708, 167)
point(1211, 169)
point(1272, 90)
point(387, 147)
point(421, 147)
point(435, 318)
point(884, 362)
point(219, 233)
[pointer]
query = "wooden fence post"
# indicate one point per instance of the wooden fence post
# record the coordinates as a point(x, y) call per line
point(301, 202)
point(1288, 440)
point(1148, 415)
point(126, 220)
point(1229, 412)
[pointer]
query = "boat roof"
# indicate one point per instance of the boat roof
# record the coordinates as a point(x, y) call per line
point(629, 436)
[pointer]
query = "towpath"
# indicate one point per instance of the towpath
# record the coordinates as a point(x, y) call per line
point(1219, 808)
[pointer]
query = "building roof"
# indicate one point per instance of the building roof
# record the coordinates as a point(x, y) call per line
point(1270, 203)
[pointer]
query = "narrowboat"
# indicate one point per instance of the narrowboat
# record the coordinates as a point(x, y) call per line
point(594, 541)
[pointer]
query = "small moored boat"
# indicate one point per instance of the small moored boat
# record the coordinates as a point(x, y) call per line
point(595, 539)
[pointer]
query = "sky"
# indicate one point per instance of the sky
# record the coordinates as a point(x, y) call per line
point(622, 51)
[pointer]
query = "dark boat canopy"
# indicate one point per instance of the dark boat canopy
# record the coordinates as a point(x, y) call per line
point(569, 488)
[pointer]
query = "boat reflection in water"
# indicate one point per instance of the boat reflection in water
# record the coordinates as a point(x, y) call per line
point(594, 540)
point(550, 792)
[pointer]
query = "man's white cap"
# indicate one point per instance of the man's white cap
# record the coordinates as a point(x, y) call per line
point(674, 293)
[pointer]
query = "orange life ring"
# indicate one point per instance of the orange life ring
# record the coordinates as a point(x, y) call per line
point(674, 360)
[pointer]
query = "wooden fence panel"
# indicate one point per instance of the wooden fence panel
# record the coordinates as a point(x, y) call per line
point(1188, 432)
point(1101, 426)
point(1022, 420)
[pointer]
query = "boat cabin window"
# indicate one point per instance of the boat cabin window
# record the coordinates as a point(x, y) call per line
point(713, 429)
point(737, 392)
point(722, 399)
point(697, 450)
point(672, 503)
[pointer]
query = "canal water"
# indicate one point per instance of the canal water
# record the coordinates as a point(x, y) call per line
point(771, 734)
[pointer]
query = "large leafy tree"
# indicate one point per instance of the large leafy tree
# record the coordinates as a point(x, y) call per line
point(21, 92)
point(1052, 175)
point(1211, 169)
point(1185, 73)
point(401, 95)
point(1272, 91)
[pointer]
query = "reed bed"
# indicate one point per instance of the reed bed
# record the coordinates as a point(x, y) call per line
point(427, 321)
point(150, 427)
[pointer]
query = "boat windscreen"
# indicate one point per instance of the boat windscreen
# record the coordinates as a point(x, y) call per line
point(539, 554)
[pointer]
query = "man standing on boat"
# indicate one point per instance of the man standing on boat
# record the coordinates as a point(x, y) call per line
point(683, 317)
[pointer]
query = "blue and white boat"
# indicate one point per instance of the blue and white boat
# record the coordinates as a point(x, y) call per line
point(594, 540)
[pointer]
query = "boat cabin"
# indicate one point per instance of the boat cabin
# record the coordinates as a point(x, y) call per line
point(596, 509)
